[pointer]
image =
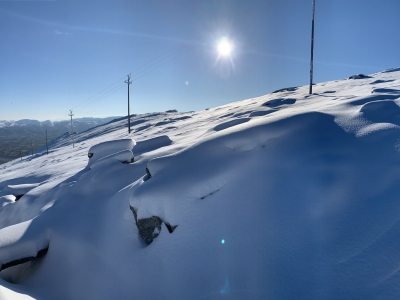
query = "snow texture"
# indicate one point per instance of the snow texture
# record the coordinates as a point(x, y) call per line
point(284, 196)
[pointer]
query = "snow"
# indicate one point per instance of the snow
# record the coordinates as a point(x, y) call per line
point(19, 189)
point(105, 149)
point(8, 291)
point(284, 196)
point(4, 200)
point(21, 241)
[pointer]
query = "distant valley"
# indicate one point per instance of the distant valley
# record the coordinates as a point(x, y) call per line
point(20, 137)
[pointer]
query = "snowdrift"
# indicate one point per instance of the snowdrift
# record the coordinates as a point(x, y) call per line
point(285, 196)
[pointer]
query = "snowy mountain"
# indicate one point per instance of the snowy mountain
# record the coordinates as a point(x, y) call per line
point(285, 196)
point(64, 123)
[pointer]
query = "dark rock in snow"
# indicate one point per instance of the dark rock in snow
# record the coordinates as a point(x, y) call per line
point(148, 173)
point(170, 227)
point(149, 228)
point(359, 76)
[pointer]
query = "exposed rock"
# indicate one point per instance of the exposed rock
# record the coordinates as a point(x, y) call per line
point(359, 76)
point(148, 173)
point(17, 197)
point(150, 228)
point(170, 227)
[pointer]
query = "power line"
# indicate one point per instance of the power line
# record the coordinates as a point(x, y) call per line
point(139, 74)
point(121, 85)
point(119, 81)
point(163, 61)
point(157, 57)
point(144, 72)
point(108, 90)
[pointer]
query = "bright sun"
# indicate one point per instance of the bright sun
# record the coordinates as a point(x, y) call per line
point(224, 47)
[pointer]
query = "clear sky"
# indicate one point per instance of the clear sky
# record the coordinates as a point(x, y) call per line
point(67, 54)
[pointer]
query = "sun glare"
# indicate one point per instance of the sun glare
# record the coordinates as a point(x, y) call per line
point(224, 47)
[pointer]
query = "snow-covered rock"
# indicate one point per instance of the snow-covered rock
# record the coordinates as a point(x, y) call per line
point(120, 150)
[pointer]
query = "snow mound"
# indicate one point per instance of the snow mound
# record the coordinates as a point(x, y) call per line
point(18, 190)
point(231, 123)
point(124, 156)
point(105, 149)
point(381, 112)
point(20, 241)
point(4, 200)
point(386, 90)
point(152, 144)
point(371, 98)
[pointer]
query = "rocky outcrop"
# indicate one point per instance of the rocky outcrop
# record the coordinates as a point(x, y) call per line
point(150, 228)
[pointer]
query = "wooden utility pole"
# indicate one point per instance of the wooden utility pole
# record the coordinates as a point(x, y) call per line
point(129, 115)
point(20, 152)
point(72, 128)
point(47, 146)
point(312, 46)
point(31, 148)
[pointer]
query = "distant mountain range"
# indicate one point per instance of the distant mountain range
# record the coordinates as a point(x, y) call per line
point(20, 137)
point(58, 124)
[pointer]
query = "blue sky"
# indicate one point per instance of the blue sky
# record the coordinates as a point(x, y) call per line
point(62, 55)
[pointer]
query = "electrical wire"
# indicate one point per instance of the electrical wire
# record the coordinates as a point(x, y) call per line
point(154, 64)
point(119, 81)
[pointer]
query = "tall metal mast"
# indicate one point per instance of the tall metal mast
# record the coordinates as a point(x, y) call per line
point(312, 46)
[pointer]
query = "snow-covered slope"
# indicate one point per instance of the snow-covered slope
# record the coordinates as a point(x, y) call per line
point(285, 196)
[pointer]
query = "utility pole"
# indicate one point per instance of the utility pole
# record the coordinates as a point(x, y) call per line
point(31, 148)
point(72, 128)
point(47, 146)
point(20, 152)
point(312, 46)
point(129, 115)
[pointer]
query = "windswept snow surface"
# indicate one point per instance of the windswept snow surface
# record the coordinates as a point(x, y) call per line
point(285, 196)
